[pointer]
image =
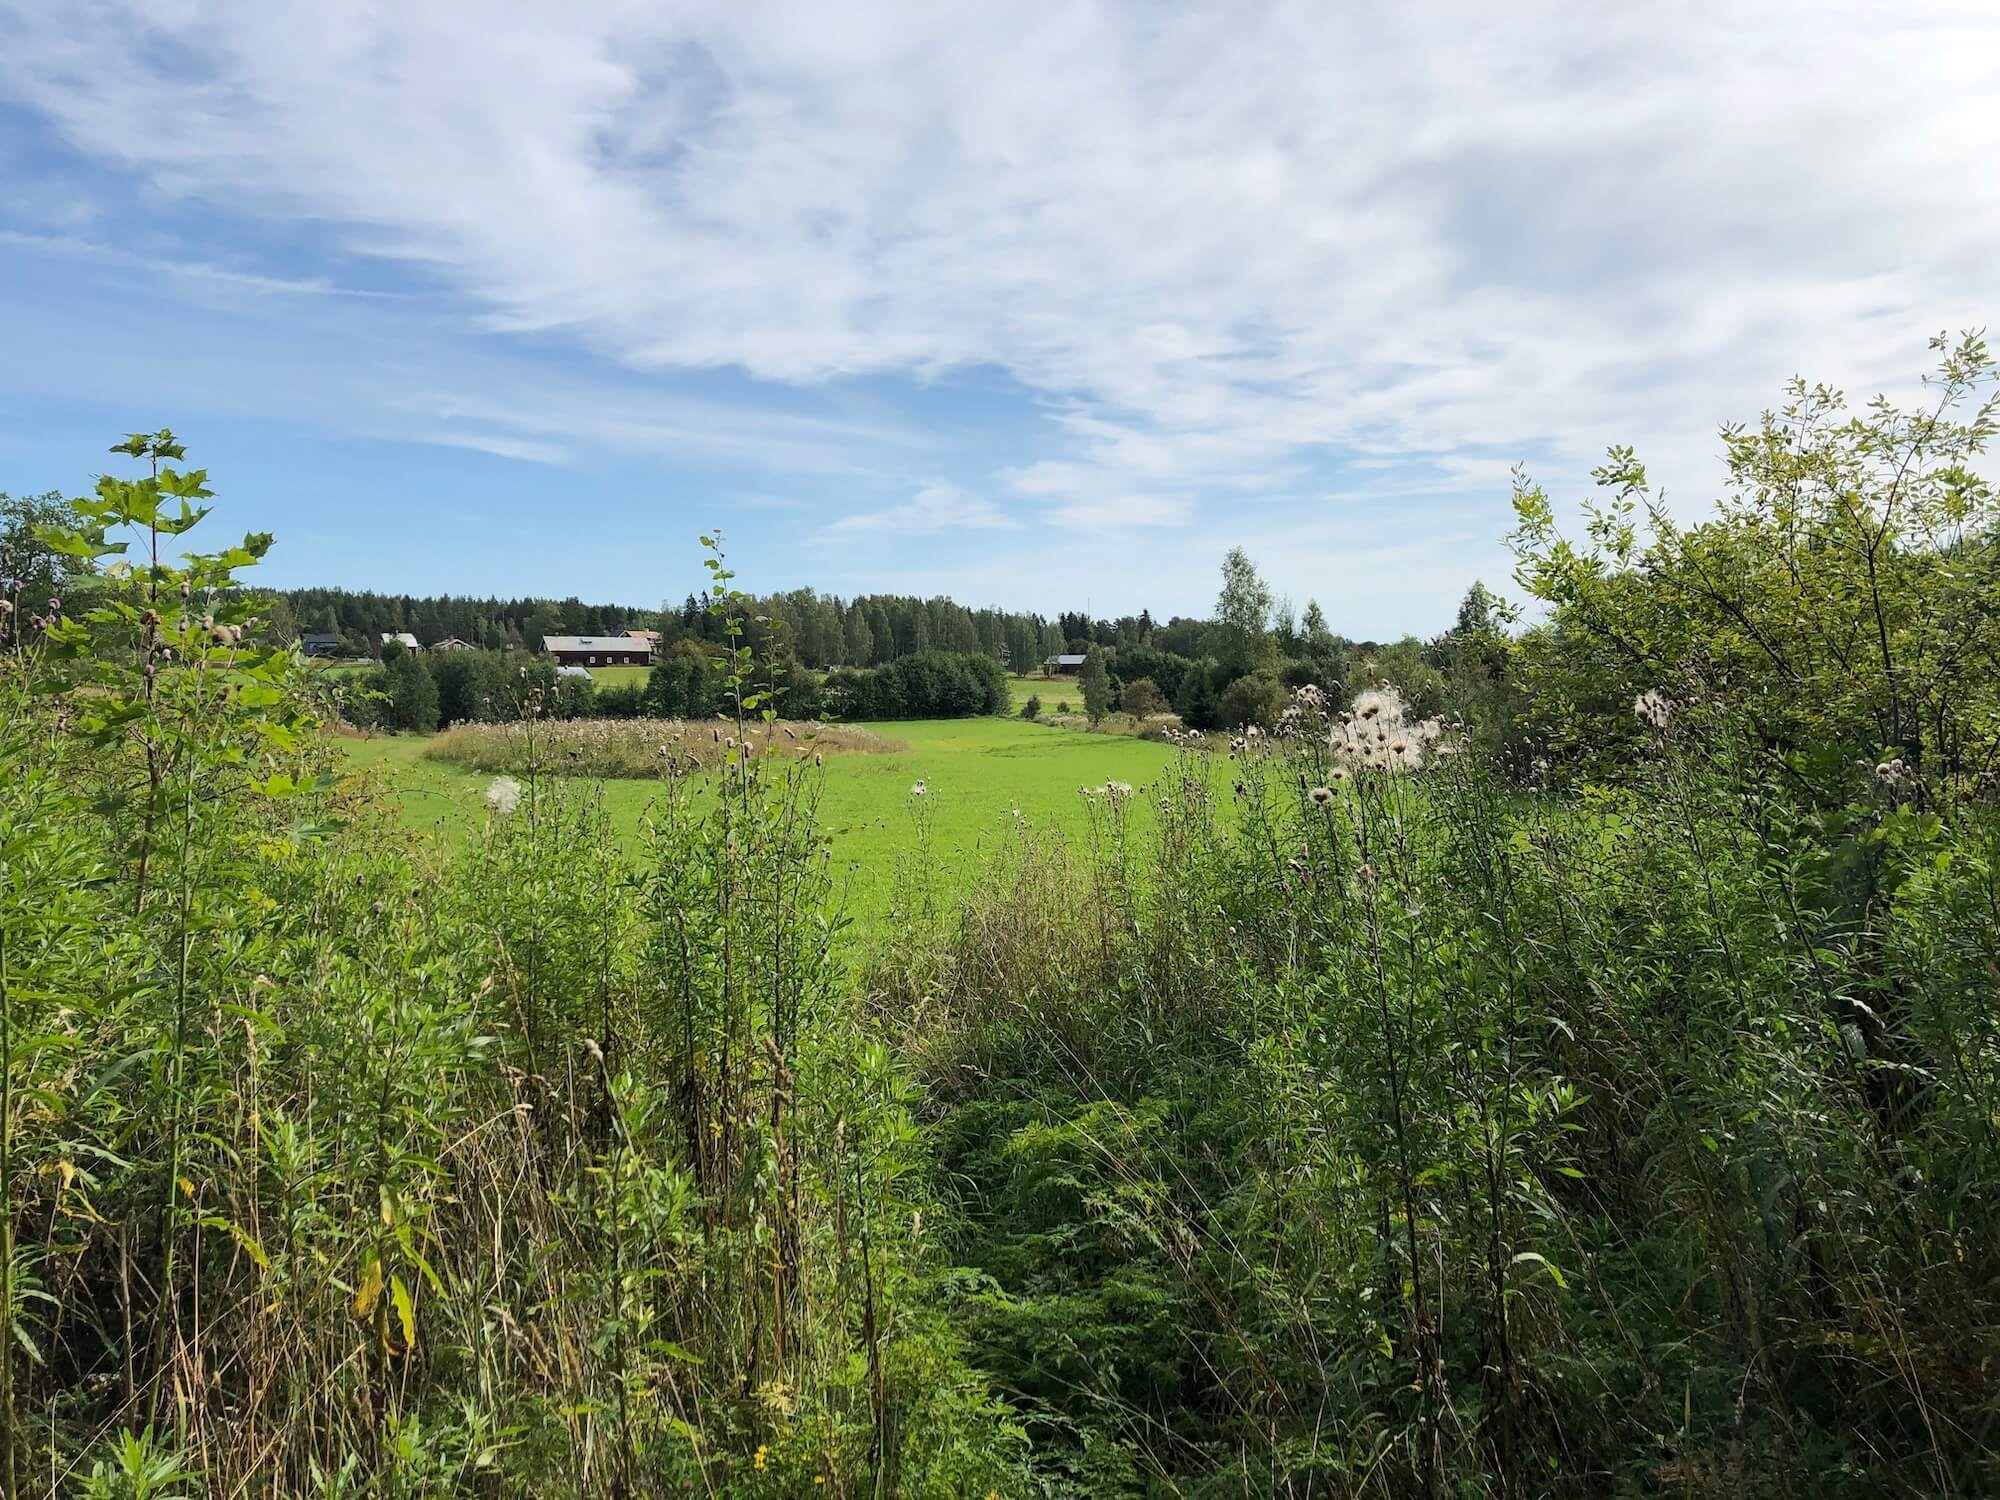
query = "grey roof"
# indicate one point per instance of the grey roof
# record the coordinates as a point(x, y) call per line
point(402, 636)
point(1067, 660)
point(592, 643)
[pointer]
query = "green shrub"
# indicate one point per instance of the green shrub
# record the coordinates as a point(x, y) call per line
point(1142, 699)
point(1255, 699)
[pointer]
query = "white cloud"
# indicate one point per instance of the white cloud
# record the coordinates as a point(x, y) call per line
point(1122, 512)
point(501, 446)
point(933, 509)
point(1217, 242)
point(68, 247)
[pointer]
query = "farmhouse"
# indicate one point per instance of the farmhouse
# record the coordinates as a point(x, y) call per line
point(650, 637)
point(1063, 666)
point(402, 638)
point(453, 643)
point(319, 643)
point(598, 651)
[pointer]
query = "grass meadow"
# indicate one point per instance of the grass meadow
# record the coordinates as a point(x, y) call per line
point(976, 773)
point(620, 676)
point(1051, 690)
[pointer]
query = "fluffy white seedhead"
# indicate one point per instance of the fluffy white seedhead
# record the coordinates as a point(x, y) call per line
point(1304, 715)
point(1376, 735)
point(1653, 709)
point(503, 795)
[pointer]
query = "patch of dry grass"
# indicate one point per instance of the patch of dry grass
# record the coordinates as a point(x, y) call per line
point(636, 747)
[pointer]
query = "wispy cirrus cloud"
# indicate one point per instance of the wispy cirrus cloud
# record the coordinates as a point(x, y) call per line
point(72, 248)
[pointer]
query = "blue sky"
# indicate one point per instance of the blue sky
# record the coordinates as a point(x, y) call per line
point(1031, 304)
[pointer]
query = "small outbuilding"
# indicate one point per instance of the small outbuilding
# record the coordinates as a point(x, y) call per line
point(319, 643)
point(1065, 665)
point(401, 638)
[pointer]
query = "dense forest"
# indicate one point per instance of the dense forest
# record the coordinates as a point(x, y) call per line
point(1584, 1081)
point(819, 631)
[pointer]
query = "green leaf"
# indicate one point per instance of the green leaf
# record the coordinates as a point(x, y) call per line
point(1535, 1258)
point(674, 1351)
point(406, 1314)
point(250, 1246)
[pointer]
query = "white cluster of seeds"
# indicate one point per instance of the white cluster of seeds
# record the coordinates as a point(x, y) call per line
point(1653, 709)
point(1376, 734)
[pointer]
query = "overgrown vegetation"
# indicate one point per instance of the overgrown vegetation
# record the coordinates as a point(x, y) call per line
point(651, 748)
point(1594, 1095)
point(335, 1168)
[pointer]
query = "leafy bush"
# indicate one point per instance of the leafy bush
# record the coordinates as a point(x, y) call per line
point(1252, 699)
point(1199, 702)
point(413, 696)
point(1142, 699)
point(1843, 594)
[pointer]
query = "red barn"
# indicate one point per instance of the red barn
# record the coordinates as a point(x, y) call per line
point(598, 651)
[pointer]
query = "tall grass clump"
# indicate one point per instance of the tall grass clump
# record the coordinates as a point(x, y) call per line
point(337, 1164)
point(638, 748)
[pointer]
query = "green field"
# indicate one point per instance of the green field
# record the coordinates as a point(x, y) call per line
point(620, 676)
point(1051, 690)
point(976, 773)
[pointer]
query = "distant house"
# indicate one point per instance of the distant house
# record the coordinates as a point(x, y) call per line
point(597, 651)
point(453, 643)
point(319, 643)
point(650, 637)
point(1063, 666)
point(402, 638)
